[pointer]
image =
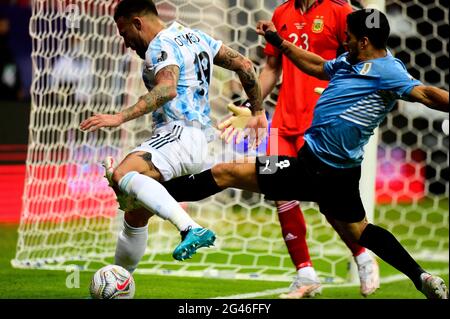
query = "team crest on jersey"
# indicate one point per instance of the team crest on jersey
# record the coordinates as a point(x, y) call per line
point(366, 68)
point(317, 25)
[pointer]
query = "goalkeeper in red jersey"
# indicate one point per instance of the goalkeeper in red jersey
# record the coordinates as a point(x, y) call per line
point(319, 27)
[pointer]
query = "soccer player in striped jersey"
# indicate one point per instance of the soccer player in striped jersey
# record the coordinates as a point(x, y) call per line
point(317, 26)
point(177, 72)
point(364, 85)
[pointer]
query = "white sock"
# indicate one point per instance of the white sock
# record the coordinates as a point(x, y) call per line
point(153, 196)
point(307, 272)
point(363, 258)
point(131, 246)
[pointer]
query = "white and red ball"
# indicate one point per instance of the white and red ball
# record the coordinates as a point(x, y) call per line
point(112, 282)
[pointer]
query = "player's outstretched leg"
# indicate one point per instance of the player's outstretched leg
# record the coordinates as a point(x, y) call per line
point(433, 287)
point(191, 240)
point(192, 188)
point(155, 198)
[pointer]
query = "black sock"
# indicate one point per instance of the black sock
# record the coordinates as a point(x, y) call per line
point(387, 247)
point(192, 188)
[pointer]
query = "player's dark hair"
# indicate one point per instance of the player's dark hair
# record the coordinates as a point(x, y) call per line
point(370, 23)
point(128, 8)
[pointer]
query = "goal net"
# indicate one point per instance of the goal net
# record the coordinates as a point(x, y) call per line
point(81, 67)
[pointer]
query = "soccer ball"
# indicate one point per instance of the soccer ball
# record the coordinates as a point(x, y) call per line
point(112, 282)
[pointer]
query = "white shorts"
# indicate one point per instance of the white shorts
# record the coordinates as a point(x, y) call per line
point(177, 149)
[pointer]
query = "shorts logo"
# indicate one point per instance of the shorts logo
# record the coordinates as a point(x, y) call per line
point(271, 167)
point(283, 164)
point(267, 169)
point(317, 25)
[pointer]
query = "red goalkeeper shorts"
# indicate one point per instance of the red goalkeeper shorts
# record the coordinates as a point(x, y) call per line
point(287, 145)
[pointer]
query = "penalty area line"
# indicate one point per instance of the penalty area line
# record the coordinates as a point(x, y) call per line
point(278, 291)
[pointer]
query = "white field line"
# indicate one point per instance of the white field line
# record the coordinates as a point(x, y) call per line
point(271, 292)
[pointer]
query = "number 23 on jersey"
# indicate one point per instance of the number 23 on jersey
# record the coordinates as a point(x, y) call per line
point(301, 41)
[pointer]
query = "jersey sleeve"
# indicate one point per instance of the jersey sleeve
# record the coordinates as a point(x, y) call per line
point(398, 80)
point(162, 53)
point(214, 44)
point(331, 66)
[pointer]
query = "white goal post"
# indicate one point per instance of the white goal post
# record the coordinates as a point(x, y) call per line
point(70, 217)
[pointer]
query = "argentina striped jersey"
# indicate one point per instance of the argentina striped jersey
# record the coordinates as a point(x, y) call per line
point(193, 52)
point(356, 101)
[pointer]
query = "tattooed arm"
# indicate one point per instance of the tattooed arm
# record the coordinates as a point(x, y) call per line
point(164, 91)
point(241, 124)
point(234, 61)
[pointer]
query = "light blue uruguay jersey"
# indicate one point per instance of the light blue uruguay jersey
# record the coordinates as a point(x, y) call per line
point(193, 52)
point(356, 101)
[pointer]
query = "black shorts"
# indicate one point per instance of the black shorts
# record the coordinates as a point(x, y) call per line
point(308, 179)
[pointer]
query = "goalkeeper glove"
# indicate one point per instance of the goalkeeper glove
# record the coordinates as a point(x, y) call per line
point(243, 124)
point(319, 90)
point(236, 125)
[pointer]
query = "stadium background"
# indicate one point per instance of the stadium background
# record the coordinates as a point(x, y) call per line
point(412, 155)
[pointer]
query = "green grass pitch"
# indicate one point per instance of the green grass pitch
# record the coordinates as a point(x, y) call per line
point(43, 284)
